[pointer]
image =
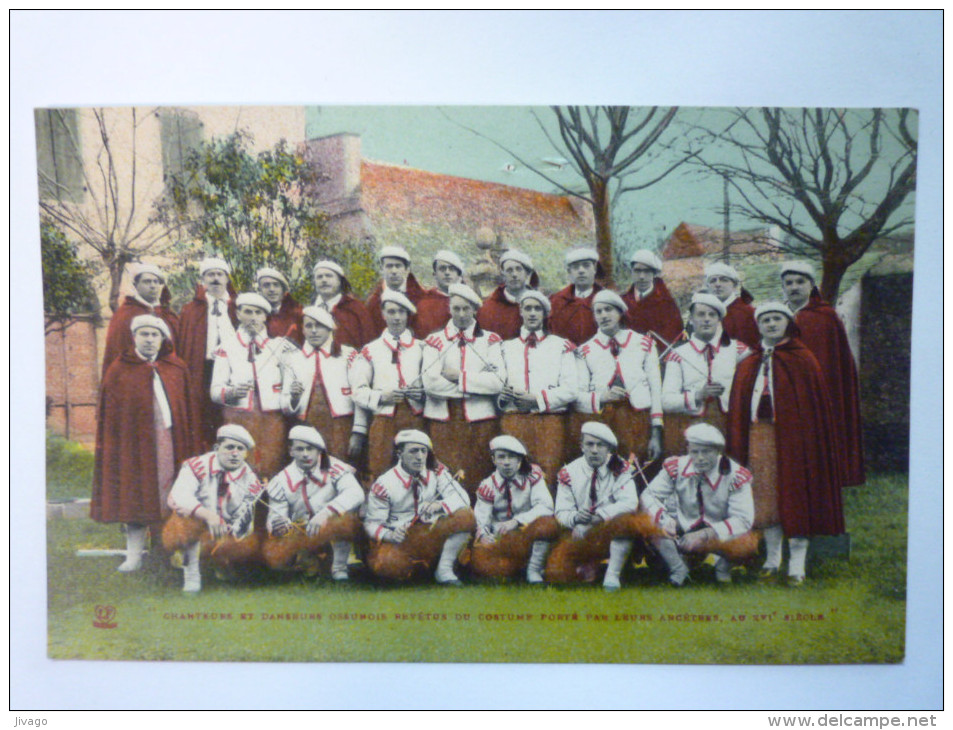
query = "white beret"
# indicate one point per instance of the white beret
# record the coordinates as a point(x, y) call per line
point(607, 296)
point(601, 431)
point(320, 315)
point(234, 431)
point(798, 267)
point(273, 273)
point(413, 436)
point(330, 266)
point(705, 434)
point(538, 296)
point(465, 292)
point(397, 297)
point(646, 257)
point(779, 307)
point(214, 264)
point(719, 268)
point(451, 258)
point(138, 270)
point(517, 256)
point(149, 320)
point(394, 252)
point(508, 443)
point(253, 299)
point(582, 254)
point(308, 434)
point(709, 300)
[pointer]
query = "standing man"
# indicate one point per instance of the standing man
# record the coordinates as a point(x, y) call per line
point(824, 334)
point(285, 317)
point(418, 517)
point(651, 306)
point(433, 311)
point(333, 294)
point(151, 297)
point(724, 282)
point(143, 433)
point(207, 322)
point(395, 268)
point(500, 312)
point(571, 315)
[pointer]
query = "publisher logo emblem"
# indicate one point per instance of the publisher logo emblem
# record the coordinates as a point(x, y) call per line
point(104, 617)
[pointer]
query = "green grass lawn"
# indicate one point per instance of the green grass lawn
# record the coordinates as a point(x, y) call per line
point(847, 612)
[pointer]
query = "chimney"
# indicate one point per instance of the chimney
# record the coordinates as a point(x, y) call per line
point(338, 159)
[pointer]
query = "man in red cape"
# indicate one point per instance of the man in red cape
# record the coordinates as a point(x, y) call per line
point(151, 297)
point(433, 310)
point(285, 317)
point(651, 307)
point(333, 294)
point(138, 450)
point(824, 334)
point(571, 315)
point(500, 313)
point(196, 347)
point(725, 283)
point(395, 267)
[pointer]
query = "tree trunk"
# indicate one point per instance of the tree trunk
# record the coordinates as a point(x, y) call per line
point(115, 267)
point(835, 266)
point(600, 213)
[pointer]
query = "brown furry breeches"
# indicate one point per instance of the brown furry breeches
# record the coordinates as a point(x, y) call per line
point(461, 444)
point(380, 437)
point(763, 460)
point(676, 423)
point(544, 435)
point(419, 551)
point(180, 532)
point(283, 551)
point(737, 550)
point(569, 556)
point(509, 554)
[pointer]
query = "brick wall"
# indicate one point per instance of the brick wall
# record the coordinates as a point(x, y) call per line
point(72, 379)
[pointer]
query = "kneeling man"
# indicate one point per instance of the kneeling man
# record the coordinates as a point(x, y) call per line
point(418, 515)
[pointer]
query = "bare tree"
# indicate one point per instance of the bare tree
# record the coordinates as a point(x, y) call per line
point(110, 216)
point(831, 179)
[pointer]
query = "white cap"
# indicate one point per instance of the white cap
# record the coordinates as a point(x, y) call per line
point(465, 292)
point(719, 268)
point(582, 254)
point(538, 296)
point(138, 269)
point(308, 434)
point(780, 307)
point(149, 320)
point(389, 295)
point(330, 266)
point(214, 264)
point(508, 443)
point(704, 434)
point(601, 431)
point(267, 271)
point(320, 315)
point(709, 300)
point(394, 252)
point(413, 436)
point(648, 258)
point(252, 299)
point(234, 431)
point(607, 296)
point(798, 267)
point(517, 256)
point(451, 258)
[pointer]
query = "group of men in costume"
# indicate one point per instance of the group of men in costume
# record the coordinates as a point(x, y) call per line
point(550, 416)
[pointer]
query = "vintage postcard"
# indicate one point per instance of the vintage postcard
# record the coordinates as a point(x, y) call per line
point(661, 356)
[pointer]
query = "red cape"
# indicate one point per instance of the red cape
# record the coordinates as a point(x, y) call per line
point(571, 317)
point(824, 334)
point(500, 315)
point(119, 336)
point(286, 322)
point(415, 293)
point(809, 479)
point(657, 312)
point(739, 320)
point(355, 327)
point(193, 333)
point(125, 481)
point(433, 313)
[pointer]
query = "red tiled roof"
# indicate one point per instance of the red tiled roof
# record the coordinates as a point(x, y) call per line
point(688, 240)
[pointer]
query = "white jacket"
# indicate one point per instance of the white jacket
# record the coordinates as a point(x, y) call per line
point(548, 371)
point(295, 497)
point(688, 369)
point(390, 501)
point(197, 486)
point(481, 373)
point(386, 364)
point(529, 500)
point(309, 366)
point(232, 366)
point(615, 492)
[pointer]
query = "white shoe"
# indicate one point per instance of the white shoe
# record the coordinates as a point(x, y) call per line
point(534, 577)
point(192, 584)
point(611, 583)
point(340, 576)
point(130, 564)
point(723, 571)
